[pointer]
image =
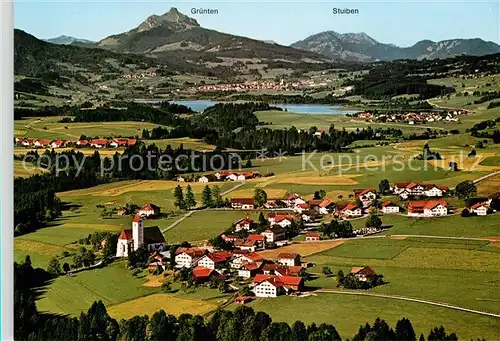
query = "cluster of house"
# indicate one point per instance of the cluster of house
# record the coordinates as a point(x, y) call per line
point(416, 208)
point(256, 86)
point(416, 189)
point(293, 202)
point(269, 278)
point(140, 75)
point(274, 235)
point(95, 143)
point(413, 117)
point(222, 175)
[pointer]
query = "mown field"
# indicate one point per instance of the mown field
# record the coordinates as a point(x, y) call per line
point(75, 293)
point(204, 225)
point(461, 272)
point(347, 313)
point(49, 128)
point(148, 305)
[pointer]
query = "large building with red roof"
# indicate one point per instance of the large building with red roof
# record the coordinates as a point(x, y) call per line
point(427, 208)
point(274, 286)
point(150, 238)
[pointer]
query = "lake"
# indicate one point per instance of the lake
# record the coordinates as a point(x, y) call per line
point(200, 105)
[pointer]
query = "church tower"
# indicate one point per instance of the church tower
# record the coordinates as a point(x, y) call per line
point(137, 232)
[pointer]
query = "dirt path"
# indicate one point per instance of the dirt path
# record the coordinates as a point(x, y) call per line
point(404, 298)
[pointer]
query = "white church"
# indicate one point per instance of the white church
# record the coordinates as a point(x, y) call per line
point(131, 239)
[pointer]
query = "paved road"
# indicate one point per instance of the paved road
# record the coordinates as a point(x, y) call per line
point(404, 298)
point(486, 176)
point(232, 189)
point(177, 222)
point(188, 214)
point(427, 236)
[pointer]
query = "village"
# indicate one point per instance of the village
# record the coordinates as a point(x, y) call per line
point(413, 117)
point(281, 85)
point(80, 143)
point(233, 257)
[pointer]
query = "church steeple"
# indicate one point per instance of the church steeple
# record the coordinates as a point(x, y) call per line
point(137, 232)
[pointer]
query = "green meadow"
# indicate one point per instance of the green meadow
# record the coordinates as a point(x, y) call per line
point(347, 313)
point(460, 272)
point(73, 294)
point(50, 128)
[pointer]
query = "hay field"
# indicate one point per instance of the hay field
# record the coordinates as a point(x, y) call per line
point(488, 186)
point(127, 186)
point(302, 248)
point(148, 305)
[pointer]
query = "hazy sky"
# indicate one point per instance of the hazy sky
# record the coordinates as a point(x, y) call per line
point(399, 22)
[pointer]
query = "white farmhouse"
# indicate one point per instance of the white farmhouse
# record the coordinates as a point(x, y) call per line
point(188, 257)
point(352, 210)
point(289, 259)
point(390, 207)
point(430, 208)
point(480, 208)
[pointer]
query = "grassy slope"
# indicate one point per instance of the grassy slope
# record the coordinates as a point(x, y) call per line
point(73, 294)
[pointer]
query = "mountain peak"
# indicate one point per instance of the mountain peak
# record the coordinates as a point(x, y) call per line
point(173, 18)
point(361, 37)
point(66, 40)
point(361, 47)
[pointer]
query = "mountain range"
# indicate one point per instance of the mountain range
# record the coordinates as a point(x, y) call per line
point(67, 40)
point(361, 47)
point(176, 35)
point(176, 32)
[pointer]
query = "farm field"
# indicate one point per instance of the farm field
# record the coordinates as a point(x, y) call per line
point(172, 304)
point(49, 128)
point(22, 170)
point(204, 225)
point(491, 161)
point(304, 248)
point(421, 268)
point(449, 226)
point(284, 119)
point(489, 186)
point(187, 143)
point(347, 313)
point(75, 293)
